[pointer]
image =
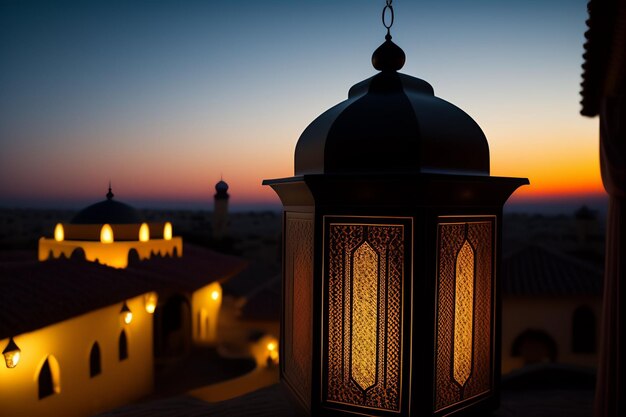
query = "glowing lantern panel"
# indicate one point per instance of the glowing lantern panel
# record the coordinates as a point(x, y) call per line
point(463, 345)
point(364, 344)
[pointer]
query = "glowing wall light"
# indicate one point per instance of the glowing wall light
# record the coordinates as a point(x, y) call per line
point(125, 314)
point(167, 231)
point(150, 301)
point(12, 354)
point(106, 234)
point(215, 295)
point(59, 233)
point(272, 352)
point(144, 233)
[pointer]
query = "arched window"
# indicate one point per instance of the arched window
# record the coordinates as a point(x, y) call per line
point(95, 367)
point(534, 346)
point(49, 378)
point(123, 346)
point(583, 330)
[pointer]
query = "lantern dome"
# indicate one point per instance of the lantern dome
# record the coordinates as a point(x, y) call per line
point(392, 123)
point(107, 211)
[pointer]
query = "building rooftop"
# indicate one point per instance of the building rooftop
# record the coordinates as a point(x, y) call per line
point(37, 294)
point(537, 270)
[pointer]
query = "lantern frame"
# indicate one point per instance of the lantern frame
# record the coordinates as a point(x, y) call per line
point(419, 202)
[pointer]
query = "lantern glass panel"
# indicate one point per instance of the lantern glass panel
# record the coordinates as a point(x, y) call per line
point(365, 267)
point(464, 351)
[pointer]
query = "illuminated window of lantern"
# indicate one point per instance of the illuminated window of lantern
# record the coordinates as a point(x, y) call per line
point(144, 233)
point(167, 231)
point(106, 234)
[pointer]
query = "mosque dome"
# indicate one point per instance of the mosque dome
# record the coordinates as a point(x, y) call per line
point(107, 211)
point(221, 186)
point(392, 123)
point(221, 190)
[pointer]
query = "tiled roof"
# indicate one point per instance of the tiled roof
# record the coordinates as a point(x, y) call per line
point(264, 303)
point(36, 294)
point(537, 270)
point(196, 268)
point(605, 53)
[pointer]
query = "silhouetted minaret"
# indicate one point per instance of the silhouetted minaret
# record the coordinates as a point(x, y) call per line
point(220, 211)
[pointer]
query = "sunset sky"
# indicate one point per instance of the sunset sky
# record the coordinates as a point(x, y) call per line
point(164, 97)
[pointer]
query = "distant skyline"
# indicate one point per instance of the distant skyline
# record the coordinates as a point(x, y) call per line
point(163, 97)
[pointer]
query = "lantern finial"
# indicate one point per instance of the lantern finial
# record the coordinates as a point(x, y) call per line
point(388, 56)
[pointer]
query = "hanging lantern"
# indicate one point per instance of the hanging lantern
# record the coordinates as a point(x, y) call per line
point(391, 254)
point(11, 354)
point(150, 300)
point(125, 314)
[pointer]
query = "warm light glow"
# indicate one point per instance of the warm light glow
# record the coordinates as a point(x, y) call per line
point(215, 295)
point(463, 314)
point(127, 315)
point(113, 254)
point(59, 234)
point(364, 316)
point(272, 352)
point(167, 231)
point(151, 301)
point(144, 233)
point(11, 354)
point(106, 234)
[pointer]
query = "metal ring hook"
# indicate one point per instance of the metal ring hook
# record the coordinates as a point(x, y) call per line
point(389, 8)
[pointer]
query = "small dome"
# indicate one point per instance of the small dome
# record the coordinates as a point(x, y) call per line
point(221, 189)
point(392, 123)
point(107, 211)
point(221, 186)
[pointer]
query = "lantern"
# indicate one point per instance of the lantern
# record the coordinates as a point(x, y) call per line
point(11, 354)
point(391, 253)
point(151, 300)
point(125, 314)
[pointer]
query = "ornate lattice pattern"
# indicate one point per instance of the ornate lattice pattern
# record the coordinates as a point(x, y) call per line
point(365, 263)
point(456, 239)
point(463, 314)
point(298, 303)
point(364, 316)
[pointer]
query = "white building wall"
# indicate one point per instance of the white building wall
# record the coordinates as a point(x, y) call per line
point(70, 342)
point(553, 316)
